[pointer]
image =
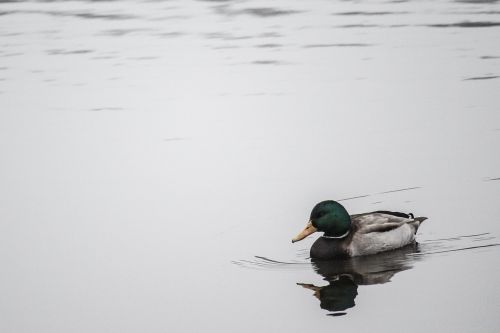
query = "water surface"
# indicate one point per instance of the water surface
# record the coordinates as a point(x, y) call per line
point(151, 149)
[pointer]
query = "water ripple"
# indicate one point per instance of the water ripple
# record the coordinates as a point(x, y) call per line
point(82, 15)
point(344, 276)
point(259, 12)
point(309, 46)
point(420, 250)
point(486, 77)
point(361, 13)
point(465, 24)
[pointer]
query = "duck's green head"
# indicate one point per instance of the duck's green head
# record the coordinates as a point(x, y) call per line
point(327, 216)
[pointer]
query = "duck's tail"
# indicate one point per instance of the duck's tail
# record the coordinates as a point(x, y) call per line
point(420, 218)
point(416, 221)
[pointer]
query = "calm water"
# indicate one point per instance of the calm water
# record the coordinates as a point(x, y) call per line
point(158, 156)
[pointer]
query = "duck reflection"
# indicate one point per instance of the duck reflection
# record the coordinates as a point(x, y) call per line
point(345, 275)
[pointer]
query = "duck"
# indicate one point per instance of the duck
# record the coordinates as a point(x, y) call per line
point(357, 235)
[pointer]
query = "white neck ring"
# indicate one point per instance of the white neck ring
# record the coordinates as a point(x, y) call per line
point(337, 237)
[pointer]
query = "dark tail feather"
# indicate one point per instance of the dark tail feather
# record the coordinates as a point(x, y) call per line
point(416, 222)
point(398, 214)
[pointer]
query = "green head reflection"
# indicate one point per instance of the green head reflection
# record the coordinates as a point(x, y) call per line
point(345, 275)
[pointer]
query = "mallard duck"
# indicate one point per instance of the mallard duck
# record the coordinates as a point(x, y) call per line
point(357, 235)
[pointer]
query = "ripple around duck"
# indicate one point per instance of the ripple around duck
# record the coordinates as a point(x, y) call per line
point(261, 262)
point(383, 192)
point(407, 255)
point(458, 243)
point(402, 189)
point(344, 276)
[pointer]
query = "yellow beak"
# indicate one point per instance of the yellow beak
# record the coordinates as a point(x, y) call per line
point(309, 229)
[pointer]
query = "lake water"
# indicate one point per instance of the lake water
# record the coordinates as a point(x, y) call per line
point(157, 157)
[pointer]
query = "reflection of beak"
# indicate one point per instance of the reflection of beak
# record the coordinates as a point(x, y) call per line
point(309, 229)
point(311, 287)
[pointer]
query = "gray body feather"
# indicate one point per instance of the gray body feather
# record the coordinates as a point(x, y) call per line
point(370, 233)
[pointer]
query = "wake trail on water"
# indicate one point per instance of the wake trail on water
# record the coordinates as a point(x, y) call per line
point(423, 250)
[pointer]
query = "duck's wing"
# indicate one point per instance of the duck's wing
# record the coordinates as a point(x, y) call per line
point(382, 221)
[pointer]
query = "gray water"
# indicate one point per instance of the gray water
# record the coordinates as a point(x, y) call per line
point(157, 157)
